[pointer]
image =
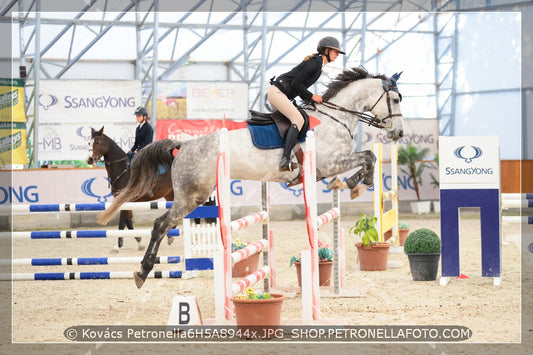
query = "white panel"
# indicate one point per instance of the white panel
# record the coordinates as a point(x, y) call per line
point(469, 162)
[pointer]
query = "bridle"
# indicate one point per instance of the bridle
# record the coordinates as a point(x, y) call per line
point(110, 163)
point(363, 116)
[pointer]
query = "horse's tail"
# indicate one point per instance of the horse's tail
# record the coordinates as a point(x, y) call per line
point(149, 163)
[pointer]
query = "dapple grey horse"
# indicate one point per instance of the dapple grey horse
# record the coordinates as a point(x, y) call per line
point(347, 100)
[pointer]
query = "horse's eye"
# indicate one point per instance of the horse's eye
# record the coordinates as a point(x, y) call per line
point(396, 101)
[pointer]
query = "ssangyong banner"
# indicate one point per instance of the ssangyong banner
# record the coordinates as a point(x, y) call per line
point(88, 101)
point(90, 185)
point(469, 162)
point(71, 141)
point(69, 108)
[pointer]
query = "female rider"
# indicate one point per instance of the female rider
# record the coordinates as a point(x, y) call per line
point(294, 83)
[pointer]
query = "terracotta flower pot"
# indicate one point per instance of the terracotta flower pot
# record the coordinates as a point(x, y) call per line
point(245, 267)
point(374, 257)
point(403, 233)
point(403, 236)
point(264, 312)
point(324, 272)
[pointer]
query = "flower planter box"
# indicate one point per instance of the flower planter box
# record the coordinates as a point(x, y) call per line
point(247, 266)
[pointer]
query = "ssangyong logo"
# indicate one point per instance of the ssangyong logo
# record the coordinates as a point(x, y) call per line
point(468, 154)
point(47, 100)
point(100, 192)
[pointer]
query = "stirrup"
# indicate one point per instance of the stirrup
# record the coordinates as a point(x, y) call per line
point(287, 165)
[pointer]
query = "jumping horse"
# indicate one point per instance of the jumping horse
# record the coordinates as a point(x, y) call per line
point(117, 164)
point(352, 96)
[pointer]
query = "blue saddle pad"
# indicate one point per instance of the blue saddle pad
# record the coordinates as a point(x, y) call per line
point(267, 136)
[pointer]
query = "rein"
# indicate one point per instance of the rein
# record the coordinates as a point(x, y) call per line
point(362, 116)
point(110, 163)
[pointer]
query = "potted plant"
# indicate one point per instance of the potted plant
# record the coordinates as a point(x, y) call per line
point(413, 158)
point(371, 253)
point(403, 232)
point(435, 182)
point(325, 264)
point(258, 309)
point(246, 266)
point(422, 247)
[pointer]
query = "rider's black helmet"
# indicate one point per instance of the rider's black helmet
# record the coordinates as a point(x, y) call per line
point(329, 42)
point(141, 111)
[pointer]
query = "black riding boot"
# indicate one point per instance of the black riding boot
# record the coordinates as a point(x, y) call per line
point(290, 140)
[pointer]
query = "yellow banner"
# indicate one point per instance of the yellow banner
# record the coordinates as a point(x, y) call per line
point(12, 123)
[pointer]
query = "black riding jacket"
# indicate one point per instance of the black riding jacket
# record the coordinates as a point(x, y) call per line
point(144, 134)
point(295, 82)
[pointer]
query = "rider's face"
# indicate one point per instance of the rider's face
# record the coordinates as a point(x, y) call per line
point(333, 54)
point(140, 118)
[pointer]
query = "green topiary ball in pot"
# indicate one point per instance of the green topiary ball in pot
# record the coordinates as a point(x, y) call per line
point(422, 240)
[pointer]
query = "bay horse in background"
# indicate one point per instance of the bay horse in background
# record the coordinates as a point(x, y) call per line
point(354, 95)
point(117, 164)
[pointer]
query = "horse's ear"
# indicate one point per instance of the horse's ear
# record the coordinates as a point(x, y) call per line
point(101, 131)
point(396, 76)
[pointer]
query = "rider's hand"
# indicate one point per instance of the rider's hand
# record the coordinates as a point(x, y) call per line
point(317, 98)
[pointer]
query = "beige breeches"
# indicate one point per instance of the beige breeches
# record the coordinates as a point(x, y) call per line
point(280, 102)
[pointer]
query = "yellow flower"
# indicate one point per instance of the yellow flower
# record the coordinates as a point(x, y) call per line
point(250, 292)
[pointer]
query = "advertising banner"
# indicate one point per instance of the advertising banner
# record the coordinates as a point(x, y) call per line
point(69, 108)
point(201, 100)
point(90, 185)
point(469, 162)
point(189, 129)
point(88, 101)
point(207, 100)
point(71, 141)
point(12, 123)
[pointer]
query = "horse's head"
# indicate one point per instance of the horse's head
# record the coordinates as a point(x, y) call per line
point(97, 146)
point(365, 92)
point(385, 106)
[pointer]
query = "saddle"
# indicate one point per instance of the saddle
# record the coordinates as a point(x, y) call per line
point(273, 122)
point(282, 123)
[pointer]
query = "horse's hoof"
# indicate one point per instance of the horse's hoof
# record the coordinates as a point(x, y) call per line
point(355, 192)
point(115, 249)
point(139, 282)
point(334, 184)
point(141, 247)
point(170, 240)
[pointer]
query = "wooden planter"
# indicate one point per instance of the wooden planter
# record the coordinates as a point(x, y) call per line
point(245, 267)
point(374, 257)
point(324, 272)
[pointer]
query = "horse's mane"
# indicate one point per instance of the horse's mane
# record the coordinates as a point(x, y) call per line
point(108, 140)
point(346, 77)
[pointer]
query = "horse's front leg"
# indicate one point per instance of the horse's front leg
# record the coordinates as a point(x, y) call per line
point(366, 161)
